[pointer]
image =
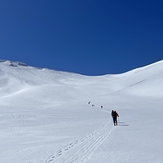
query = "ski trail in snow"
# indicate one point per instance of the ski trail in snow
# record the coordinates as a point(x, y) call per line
point(80, 150)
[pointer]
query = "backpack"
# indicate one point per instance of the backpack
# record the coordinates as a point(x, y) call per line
point(114, 113)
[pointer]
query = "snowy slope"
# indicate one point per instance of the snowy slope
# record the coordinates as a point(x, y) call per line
point(45, 116)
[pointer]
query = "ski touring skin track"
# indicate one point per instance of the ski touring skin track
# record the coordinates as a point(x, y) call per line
point(81, 150)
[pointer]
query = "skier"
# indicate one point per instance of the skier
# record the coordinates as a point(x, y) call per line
point(114, 115)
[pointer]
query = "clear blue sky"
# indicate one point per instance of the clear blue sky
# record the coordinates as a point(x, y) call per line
point(90, 37)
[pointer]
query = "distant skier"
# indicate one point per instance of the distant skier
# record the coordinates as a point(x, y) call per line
point(114, 115)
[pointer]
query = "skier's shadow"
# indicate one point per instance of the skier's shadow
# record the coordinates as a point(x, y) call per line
point(122, 124)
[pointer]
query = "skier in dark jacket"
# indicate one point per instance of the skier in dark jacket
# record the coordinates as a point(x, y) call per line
point(114, 115)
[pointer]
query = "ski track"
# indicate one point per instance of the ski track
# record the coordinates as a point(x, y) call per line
point(81, 150)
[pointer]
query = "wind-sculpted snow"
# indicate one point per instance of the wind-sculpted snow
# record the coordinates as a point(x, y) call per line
point(147, 81)
point(49, 116)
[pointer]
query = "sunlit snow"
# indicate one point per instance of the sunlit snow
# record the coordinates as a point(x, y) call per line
point(45, 116)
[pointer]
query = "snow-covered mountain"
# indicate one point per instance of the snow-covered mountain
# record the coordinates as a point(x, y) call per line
point(45, 116)
point(41, 85)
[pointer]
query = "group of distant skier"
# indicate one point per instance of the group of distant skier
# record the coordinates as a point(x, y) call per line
point(114, 115)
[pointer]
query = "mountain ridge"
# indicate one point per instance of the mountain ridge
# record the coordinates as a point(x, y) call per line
point(17, 80)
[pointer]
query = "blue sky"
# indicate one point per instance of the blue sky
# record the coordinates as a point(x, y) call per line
point(90, 37)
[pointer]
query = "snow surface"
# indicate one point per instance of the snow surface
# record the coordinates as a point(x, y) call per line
point(45, 116)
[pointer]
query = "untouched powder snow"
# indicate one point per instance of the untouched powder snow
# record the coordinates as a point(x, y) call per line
point(45, 116)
